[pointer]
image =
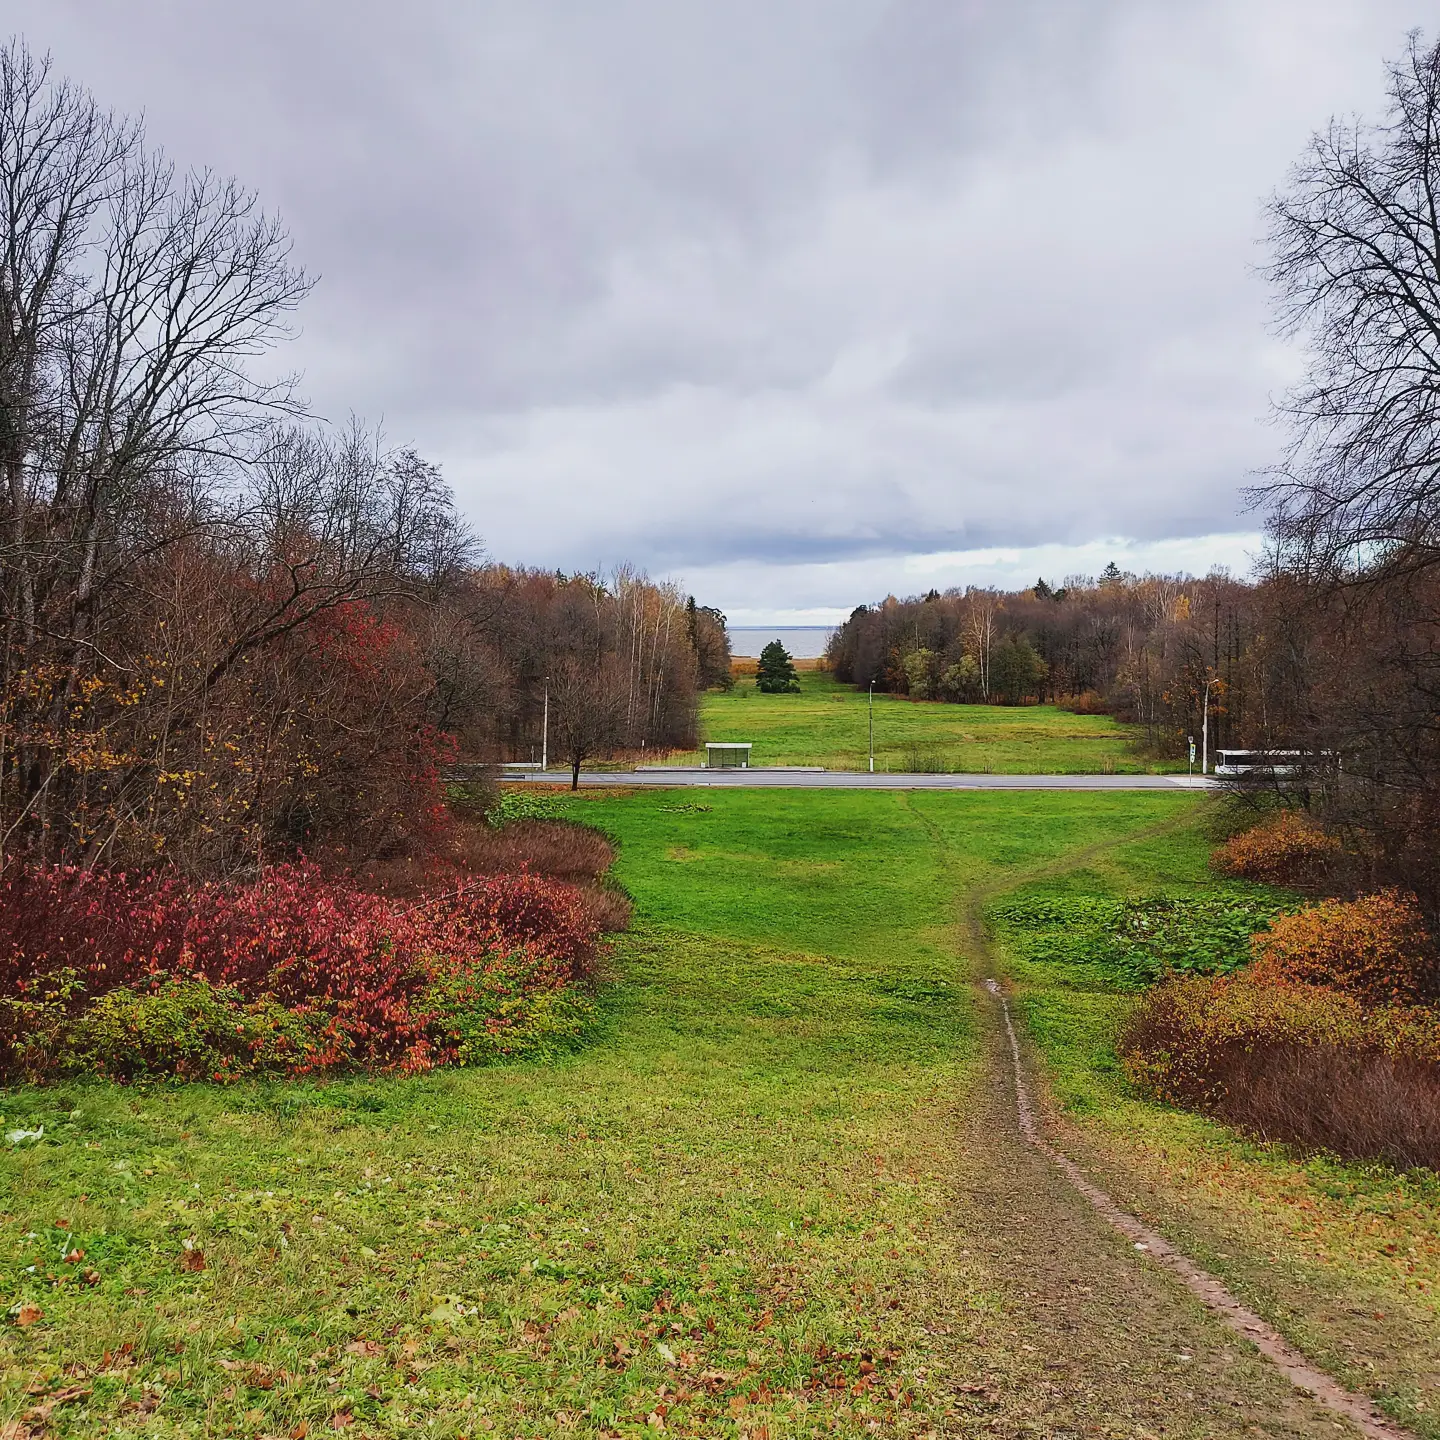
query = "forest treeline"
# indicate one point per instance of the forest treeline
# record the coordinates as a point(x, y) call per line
point(1333, 651)
point(1143, 648)
point(231, 631)
point(1342, 669)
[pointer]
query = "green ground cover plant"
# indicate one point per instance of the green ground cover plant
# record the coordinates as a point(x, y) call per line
point(1135, 942)
point(827, 724)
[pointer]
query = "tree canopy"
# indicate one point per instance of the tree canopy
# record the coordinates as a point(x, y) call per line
point(775, 674)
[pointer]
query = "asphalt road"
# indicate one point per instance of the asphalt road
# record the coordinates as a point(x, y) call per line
point(850, 780)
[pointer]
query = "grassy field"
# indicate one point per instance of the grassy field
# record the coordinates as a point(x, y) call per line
point(719, 1212)
point(828, 724)
point(746, 1207)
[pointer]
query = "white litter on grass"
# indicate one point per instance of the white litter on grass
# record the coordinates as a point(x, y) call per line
point(19, 1137)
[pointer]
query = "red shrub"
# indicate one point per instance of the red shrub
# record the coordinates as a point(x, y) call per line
point(318, 947)
point(1375, 948)
point(1288, 849)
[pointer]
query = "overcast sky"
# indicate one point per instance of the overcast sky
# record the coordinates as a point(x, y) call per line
point(795, 301)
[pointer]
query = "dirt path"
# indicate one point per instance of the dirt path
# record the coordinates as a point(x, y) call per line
point(1103, 1337)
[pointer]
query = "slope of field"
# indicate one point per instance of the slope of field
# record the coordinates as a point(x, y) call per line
point(828, 724)
point(776, 1193)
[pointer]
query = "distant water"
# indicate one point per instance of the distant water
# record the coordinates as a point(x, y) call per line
point(804, 642)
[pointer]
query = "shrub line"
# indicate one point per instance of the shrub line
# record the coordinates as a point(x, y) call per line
point(1210, 1291)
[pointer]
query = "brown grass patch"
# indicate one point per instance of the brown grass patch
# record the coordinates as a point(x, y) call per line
point(1363, 1104)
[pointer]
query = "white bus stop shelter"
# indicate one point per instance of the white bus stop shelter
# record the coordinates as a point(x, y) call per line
point(727, 755)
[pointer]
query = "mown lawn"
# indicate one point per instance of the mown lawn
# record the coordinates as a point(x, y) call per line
point(828, 724)
point(1344, 1256)
point(720, 1213)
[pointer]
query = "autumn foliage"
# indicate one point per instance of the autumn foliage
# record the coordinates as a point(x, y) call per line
point(1374, 949)
point(317, 973)
point(1288, 849)
point(1294, 1062)
point(1328, 1039)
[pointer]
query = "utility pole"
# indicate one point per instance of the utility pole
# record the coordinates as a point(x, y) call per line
point(872, 727)
point(545, 732)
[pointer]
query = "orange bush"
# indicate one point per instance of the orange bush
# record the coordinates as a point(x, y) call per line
point(1292, 1062)
point(1375, 949)
point(1288, 849)
point(1087, 702)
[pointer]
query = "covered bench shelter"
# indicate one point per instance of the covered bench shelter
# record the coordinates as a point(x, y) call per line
point(727, 755)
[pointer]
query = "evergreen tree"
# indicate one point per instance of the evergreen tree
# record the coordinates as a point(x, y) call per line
point(775, 674)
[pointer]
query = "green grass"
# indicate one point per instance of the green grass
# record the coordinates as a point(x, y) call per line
point(730, 1209)
point(721, 1208)
point(828, 724)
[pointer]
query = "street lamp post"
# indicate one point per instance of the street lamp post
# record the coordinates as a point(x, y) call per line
point(872, 727)
point(1205, 728)
point(545, 732)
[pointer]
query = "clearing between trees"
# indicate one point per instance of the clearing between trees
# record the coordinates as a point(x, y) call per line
point(828, 724)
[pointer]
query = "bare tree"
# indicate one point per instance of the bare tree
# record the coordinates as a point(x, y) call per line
point(140, 454)
point(588, 701)
point(1356, 264)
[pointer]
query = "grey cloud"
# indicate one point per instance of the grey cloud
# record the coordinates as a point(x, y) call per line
point(891, 276)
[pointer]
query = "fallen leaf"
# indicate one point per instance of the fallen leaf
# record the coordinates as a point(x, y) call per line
point(368, 1349)
point(28, 1313)
point(191, 1259)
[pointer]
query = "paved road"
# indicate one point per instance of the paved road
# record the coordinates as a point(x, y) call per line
point(850, 780)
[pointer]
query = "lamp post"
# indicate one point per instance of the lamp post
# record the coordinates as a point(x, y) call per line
point(545, 732)
point(1205, 728)
point(872, 727)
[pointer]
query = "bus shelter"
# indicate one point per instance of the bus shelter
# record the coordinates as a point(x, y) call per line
point(727, 755)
